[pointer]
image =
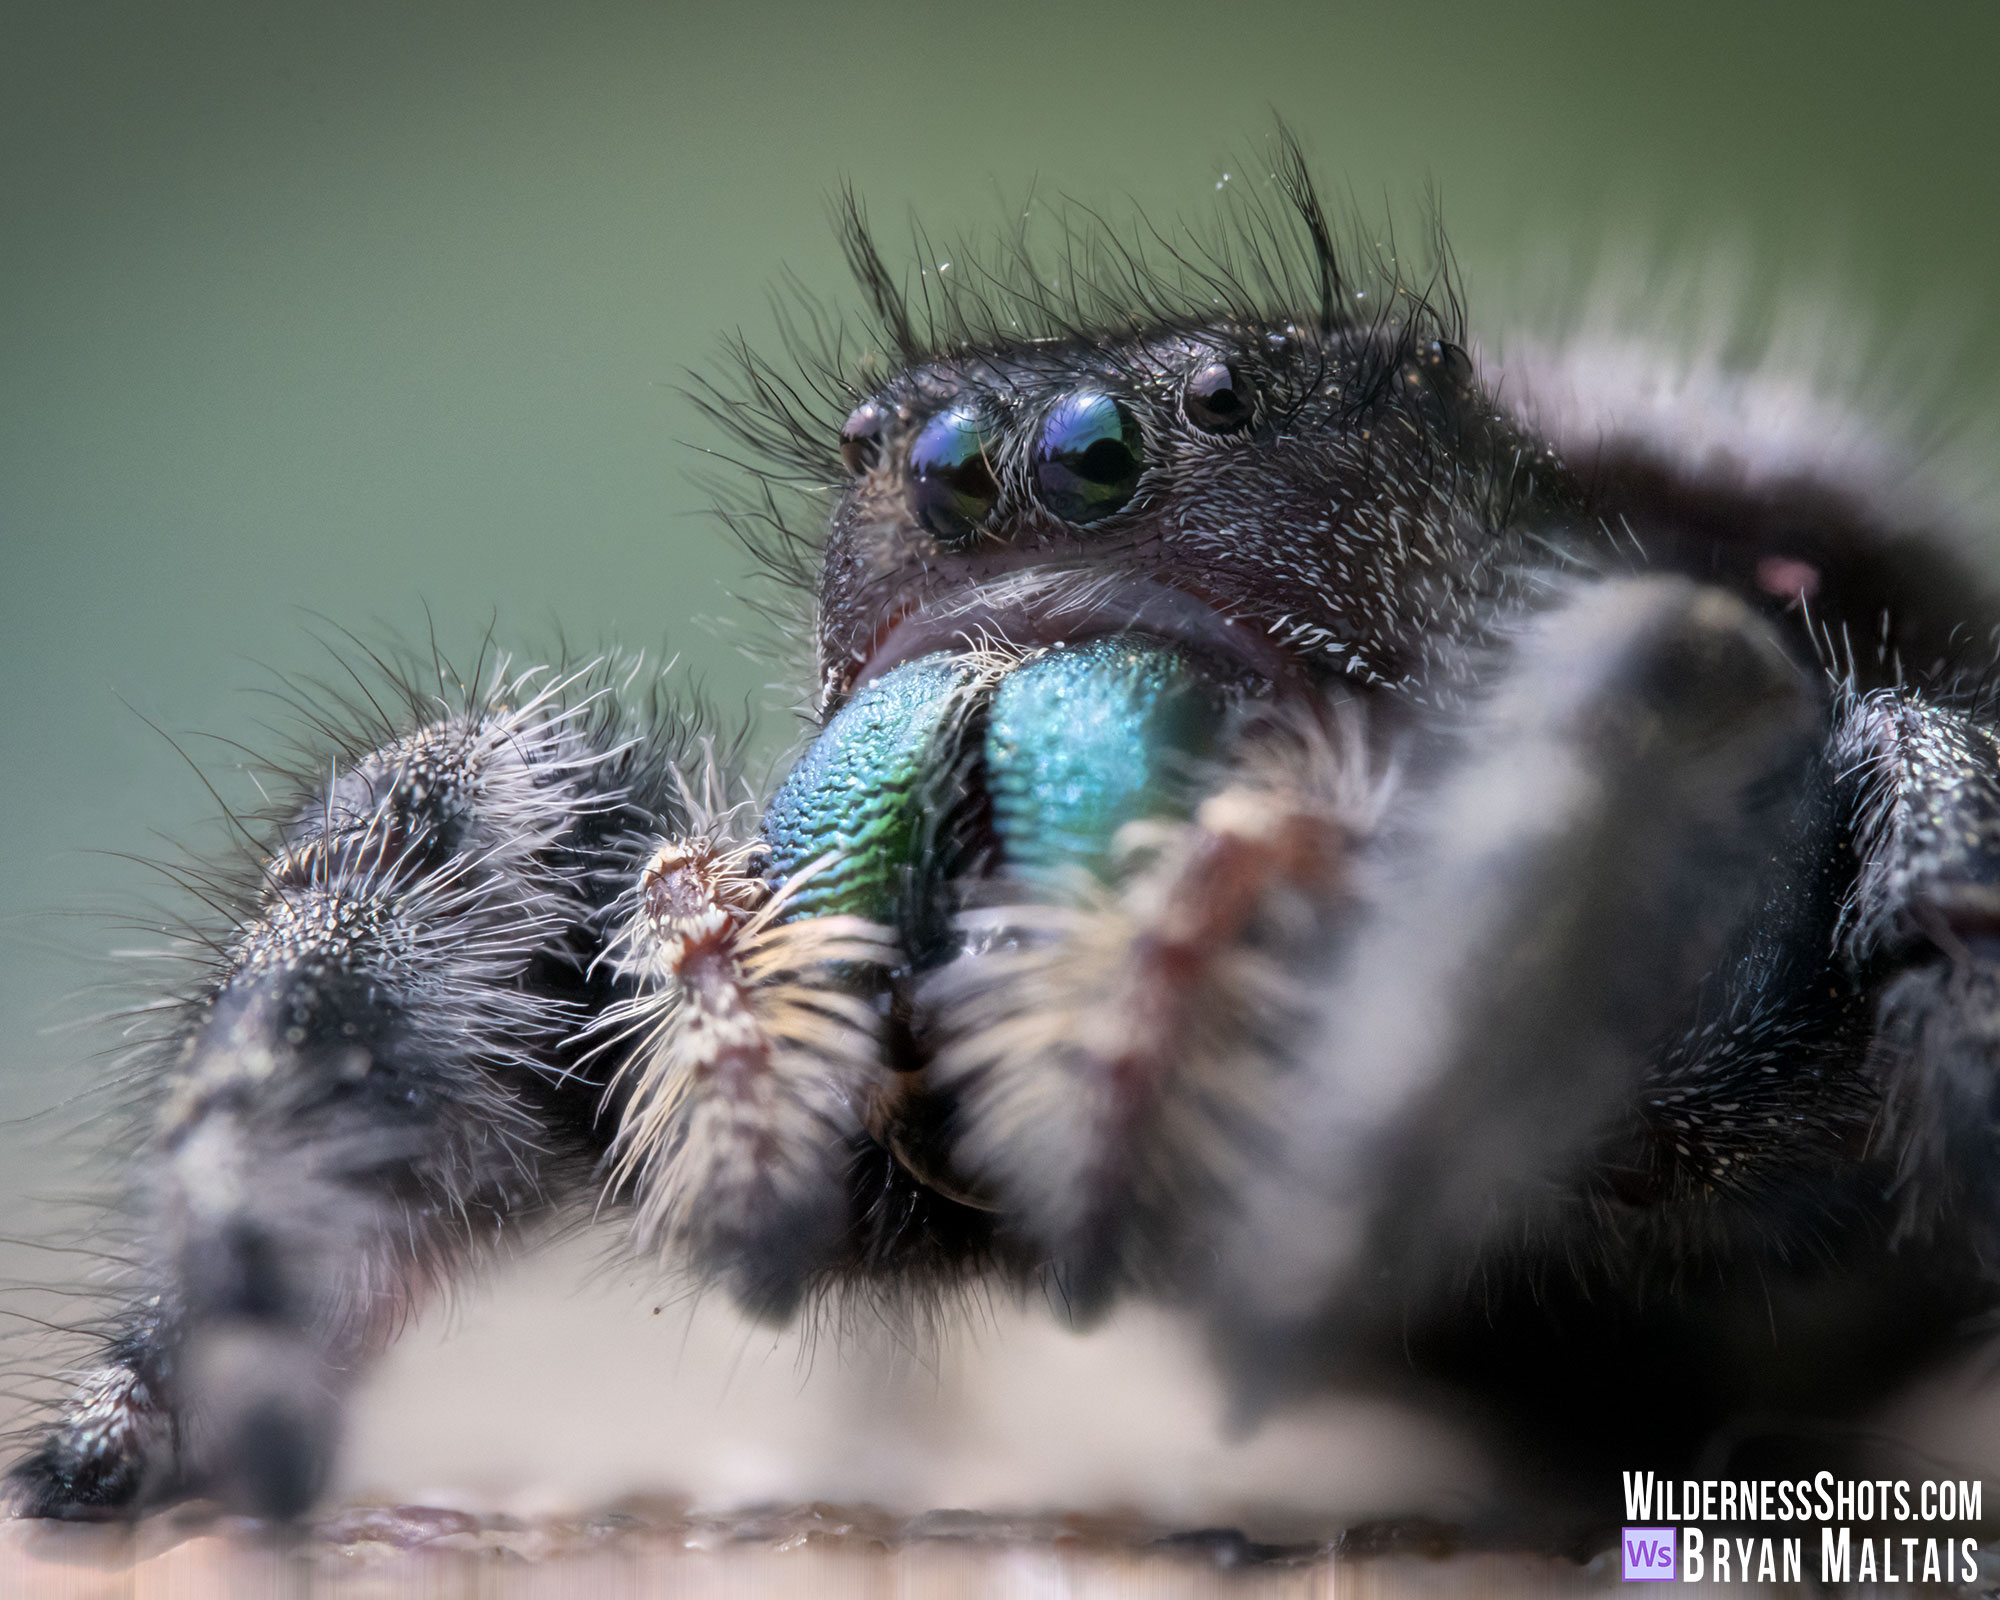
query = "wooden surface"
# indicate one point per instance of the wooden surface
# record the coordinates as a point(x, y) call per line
point(379, 1553)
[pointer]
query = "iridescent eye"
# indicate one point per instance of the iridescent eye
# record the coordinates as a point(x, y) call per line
point(861, 437)
point(1090, 457)
point(1216, 399)
point(951, 473)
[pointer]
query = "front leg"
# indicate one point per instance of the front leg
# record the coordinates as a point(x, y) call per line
point(369, 1088)
point(1547, 918)
point(1926, 907)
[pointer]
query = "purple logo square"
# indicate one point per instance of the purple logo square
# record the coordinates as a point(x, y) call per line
point(1649, 1554)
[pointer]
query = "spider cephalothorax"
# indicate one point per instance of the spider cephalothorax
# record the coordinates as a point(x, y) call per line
point(1300, 820)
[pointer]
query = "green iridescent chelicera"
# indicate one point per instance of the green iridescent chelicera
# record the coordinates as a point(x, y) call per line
point(1078, 740)
point(863, 789)
point(1083, 739)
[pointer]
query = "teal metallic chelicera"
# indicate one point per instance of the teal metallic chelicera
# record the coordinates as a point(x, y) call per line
point(864, 789)
point(1069, 745)
point(1082, 739)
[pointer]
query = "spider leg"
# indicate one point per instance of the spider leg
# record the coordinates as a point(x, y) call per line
point(1561, 893)
point(1926, 907)
point(759, 1056)
point(1105, 1052)
point(372, 1087)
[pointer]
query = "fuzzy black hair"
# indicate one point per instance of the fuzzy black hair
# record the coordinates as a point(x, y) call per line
point(492, 930)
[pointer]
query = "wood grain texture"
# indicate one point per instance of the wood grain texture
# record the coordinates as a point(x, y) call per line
point(828, 1553)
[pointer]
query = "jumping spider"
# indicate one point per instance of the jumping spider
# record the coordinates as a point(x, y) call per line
point(1424, 860)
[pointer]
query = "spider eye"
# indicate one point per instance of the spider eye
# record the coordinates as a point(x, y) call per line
point(952, 489)
point(861, 437)
point(1216, 399)
point(1090, 457)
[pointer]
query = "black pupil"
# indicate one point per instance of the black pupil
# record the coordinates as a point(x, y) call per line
point(1107, 461)
point(1216, 401)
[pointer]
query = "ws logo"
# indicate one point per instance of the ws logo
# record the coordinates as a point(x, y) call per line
point(1649, 1554)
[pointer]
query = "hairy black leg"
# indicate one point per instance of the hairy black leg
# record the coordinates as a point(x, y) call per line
point(1549, 918)
point(1927, 906)
point(1802, 1205)
point(371, 1086)
point(1724, 1288)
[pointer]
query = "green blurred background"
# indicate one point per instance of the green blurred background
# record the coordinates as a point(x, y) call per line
point(354, 309)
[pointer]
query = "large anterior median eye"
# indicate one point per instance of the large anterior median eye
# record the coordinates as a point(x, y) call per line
point(952, 489)
point(1090, 457)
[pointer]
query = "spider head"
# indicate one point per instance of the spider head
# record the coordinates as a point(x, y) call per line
point(1294, 503)
point(1059, 570)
